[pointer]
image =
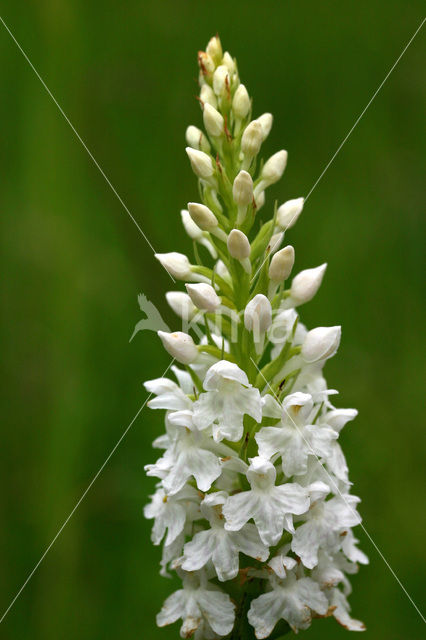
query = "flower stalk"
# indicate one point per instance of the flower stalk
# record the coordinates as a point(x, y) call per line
point(252, 502)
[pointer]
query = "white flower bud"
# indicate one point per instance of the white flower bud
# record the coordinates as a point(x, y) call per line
point(258, 314)
point(177, 264)
point(203, 296)
point(180, 346)
point(201, 163)
point(242, 189)
point(206, 63)
point(196, 139)
point(181, 304)
point(241, 102)
point(238, 245)
point(266, 120)
point(192, 229)
point(274, 167)
point(321, 343)
point(252, 138)
point(202, 216)
point(259, 199)
point(213, 121)
point(222, 271)
point(221, 80)
point(275, 242)
point(229, 62)
point(281, 264)
point(306, 284)
point(207, 96)
point(214, 49)
point(288, 213)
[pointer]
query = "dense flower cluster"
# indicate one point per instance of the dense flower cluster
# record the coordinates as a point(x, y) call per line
point(253, 503)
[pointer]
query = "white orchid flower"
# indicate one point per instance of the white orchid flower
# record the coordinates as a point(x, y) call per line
point(197, 604)
point(293, 600)
point(270, 506)
point(295, 438)
point(229, 397)
point(219, 545)
point(322, 525)
point(170, 513)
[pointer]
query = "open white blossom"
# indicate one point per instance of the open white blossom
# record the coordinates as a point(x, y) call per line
point(252, 496)
point(198, 604)
point(219, 545)
point(270, 506)
point(294, 438)
point(171, 513)
point(293, 600)
point(324, 522)
point(229, 396)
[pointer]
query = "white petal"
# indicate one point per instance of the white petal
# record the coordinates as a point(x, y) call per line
point(248, 541)
point(341, 612)
point(198, 551)
point(225, 556)
point(239, 508)
point(172, 608)
point(224, 370)
point(310, 593)
point(206, 410)
point(306, 542)
point(218, 611)
point(337, 418)
point(264, 613)
point(271, 408)
point(204, 466)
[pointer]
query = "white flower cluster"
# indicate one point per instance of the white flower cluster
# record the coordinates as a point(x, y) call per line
point(253, 503)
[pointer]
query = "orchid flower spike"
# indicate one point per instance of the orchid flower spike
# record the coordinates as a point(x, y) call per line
point(252, 485)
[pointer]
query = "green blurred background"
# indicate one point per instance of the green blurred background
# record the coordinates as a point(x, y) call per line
point(73, 264)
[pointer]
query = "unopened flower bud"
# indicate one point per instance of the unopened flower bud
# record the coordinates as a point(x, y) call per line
point(321, 343)
point(259, 198)
point(214, 49)
point(181, 304)
point(202, 216)
point(221, 80)
point(222, 271)
point(274, 167)
point(192, 229)
point(281, 264)
point(203, 296)
point(238, 245)
point(201, 163)
point(206, 63)
point(241, 102)
point(196, 139)
point(179, 345)
point(306, 284)
point(207, 96)
point(177, 264)
point(213, 121)
point(251, 140)
point(258, 314)
point(229, 62)
point(288, 213)
point(242, 189)
point(275, 242)
point(266, 120)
